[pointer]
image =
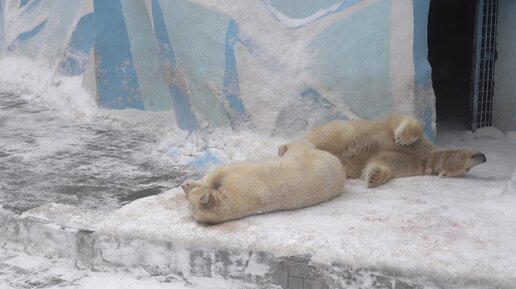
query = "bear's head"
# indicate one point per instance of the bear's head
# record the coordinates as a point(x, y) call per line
point(201, 198)
point(458, 162)
point(203, 204)
point(189, 185)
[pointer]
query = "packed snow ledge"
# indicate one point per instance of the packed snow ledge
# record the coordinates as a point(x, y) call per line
point(443, 228)
point(435, 232)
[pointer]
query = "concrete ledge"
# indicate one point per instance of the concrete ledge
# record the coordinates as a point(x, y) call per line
point(338, 244)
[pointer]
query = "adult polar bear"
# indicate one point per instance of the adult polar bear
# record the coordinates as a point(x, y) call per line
point(302, 177)
point(379, 150)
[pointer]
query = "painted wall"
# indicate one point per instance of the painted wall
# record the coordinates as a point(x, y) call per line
point(1, 26)
point(504, 103)
point(279, 66)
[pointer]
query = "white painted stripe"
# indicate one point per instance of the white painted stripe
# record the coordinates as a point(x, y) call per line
point(402, 56)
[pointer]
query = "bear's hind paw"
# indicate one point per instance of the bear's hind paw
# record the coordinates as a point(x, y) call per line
point(407, 134)
point(373, 177)
point(405, 139)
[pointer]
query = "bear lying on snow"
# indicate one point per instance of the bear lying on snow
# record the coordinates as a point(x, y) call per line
point(379, 150)
point(313, 169)
point(301, 177)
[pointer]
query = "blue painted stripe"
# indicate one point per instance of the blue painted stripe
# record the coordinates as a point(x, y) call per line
point(185, 117)
point(423, 70)
point(160, 30)
point(117, 83)
point(23, 3)
point(231, 85)
point(427, 118)
point(27, 35)
point(346, 4)
point(313, 96)
point(31, 6)
point(83, 36)
point(78, 50)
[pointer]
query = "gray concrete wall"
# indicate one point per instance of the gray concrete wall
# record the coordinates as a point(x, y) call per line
point(504, 106)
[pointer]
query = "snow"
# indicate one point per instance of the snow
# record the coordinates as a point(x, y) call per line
point(36, 82)
point(220, 146)
point(445, 228)
point(442, 227)
point(60, 273)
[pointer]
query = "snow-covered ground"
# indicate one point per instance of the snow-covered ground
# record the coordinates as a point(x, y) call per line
point(460, 230)
point(442, 228)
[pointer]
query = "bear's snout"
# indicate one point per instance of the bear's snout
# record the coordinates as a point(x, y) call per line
point(480, 157)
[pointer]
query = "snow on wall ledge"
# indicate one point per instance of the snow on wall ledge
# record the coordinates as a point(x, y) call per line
point(280, 65)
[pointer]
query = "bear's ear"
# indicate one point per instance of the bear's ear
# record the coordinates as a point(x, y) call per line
point(205, 198)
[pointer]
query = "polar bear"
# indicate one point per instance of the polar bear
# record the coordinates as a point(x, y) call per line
point(379, 150)
point(302, 177)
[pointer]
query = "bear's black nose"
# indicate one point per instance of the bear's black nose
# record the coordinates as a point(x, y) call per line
point(480, 157)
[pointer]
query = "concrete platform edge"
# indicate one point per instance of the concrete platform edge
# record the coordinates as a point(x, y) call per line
point(104, 252)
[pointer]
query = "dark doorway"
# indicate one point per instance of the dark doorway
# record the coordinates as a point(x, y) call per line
point(451, 26)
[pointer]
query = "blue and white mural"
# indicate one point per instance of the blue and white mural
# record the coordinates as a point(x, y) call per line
point(279, 66)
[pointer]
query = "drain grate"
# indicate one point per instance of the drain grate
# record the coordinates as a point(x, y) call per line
point(484, 63)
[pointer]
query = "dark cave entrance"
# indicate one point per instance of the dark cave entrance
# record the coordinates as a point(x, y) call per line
point(451, 26)
point(462, 53)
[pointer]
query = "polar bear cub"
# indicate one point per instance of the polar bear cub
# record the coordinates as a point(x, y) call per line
point(393, 147)
point(303, 176)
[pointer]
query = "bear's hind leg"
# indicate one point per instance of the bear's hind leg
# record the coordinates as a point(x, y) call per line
point(377, 173)
point(408, 131)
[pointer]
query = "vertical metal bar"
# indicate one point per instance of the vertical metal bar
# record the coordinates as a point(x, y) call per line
point(484, 63)
point(489, 62)
point(493, 60)
point(477, 40)
point(483, 54)
point(485, 60)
